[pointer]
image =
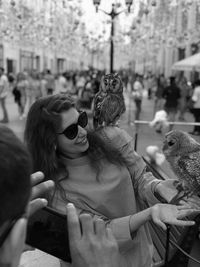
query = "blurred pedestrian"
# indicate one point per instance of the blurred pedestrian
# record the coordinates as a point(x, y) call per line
point(80, 82)
point(185, 93)
point(159, 100)
point(137, 95)
point(62, 84)
point(43, 84)
point(171, 94)
point(196, 107)
point(50, 82)
point(150, 84)
point(21, 92)
point(4, 88)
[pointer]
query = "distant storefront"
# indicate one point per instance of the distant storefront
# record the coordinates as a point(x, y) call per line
point(26, 60)
point(11, 66)
point(60, 65)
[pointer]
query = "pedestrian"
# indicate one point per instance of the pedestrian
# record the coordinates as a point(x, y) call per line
point(4, 88)
point(150, 84)
point(159, 101)
point(50, 82)
point(137, 94)
point(185, 93)
point(62, 84)
point(171, 94)
point(100, 174)
point(196, 107)
point(21, 93)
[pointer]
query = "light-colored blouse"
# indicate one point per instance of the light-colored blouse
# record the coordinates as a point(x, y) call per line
point(114, 196)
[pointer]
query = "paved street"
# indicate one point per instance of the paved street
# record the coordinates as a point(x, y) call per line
point(146, 136)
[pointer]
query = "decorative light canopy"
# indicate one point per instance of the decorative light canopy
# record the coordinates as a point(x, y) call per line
point(128, 3)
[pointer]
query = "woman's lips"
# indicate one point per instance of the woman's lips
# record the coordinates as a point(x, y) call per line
point(83, 141)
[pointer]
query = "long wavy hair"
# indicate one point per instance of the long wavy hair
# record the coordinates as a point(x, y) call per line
point(40, 136)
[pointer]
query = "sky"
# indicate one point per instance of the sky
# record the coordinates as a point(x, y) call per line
point(95, 22)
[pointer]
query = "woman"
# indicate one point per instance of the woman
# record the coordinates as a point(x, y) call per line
point(99, 172)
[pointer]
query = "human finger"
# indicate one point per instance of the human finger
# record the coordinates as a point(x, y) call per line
point(73, 223)
point(160, 223)
point(87, 224)
point(42, 188)
point(194, 202)
point(183, 203)
point(187, 212)
point(19, 231)
point(182, 223)
point(100, 228)
point(17, 240)
point(37, 177)
point(36, 205)
point(184, 207)
point(109, 234)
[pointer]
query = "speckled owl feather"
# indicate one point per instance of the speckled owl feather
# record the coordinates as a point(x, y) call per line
point(109, 102)
point(183, 154)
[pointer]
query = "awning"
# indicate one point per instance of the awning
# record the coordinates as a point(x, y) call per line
point(191, 63)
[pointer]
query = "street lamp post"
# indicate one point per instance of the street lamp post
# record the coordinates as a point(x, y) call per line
point(112, 14)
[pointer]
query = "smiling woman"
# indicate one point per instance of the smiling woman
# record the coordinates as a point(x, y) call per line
point(100, 173)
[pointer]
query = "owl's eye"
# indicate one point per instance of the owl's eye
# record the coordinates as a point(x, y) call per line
point(171, 143)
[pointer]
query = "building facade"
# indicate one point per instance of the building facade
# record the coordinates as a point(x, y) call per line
point(37, 35)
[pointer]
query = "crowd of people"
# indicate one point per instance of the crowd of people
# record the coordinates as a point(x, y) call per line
point(175, 95)
point(172, 94)
point(96, 173)
point(28, 86)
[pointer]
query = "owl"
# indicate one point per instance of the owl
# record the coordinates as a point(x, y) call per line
point(183, 154)
point(109, 102)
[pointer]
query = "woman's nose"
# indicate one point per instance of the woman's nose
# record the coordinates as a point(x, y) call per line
point(82, 130)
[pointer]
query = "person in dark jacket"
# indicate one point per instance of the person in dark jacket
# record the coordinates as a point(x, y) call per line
point(171, 94)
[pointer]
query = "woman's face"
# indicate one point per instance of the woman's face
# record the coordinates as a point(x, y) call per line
point(72, 148)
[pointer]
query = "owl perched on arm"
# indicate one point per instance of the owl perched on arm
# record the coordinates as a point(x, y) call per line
point(183, 154)
point(109, 102)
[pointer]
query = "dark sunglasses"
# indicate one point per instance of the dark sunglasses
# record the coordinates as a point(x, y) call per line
point(71, 131)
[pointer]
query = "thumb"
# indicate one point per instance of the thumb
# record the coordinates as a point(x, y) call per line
point(14, 243)
point(18, 232)
point(160, 223)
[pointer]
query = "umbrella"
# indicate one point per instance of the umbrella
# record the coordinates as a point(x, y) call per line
point(191, 63)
